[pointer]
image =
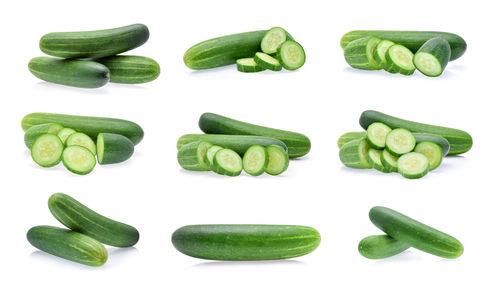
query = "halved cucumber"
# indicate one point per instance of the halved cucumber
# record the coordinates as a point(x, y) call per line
point(82, 139)
point(255, 160)
point(359, 53)
point(291, 55)
point(432, 151)
point(400, 60)
point(47, 150)
point(209, 156)
point(413, 165)
point(374, 158)
point(278, 160)
point(266, 61)
point(432, 57)
point(273, 39)
point(354, 154)
point(65, 133)
point(248, 65)
point(36, 130)
point(78, 159)
point(376, 134)
point(389, 161)
point(192, 156)
point(227, 162)
point(400, 141)
point(113, 148)
point(380, 52)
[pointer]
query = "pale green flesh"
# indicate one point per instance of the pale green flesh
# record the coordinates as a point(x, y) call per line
point(246, 62)
point(201, 151)
point(400, 141)
point(100, 148)
point(79, 159)
point(229, 160)
point(376, 134)
point(65, 133)
point(254, 159)
point(81, 139)
point(47, 150)
point(432, 151)
point(211, 153)
point(292, 55)
point(382, 48)
point(389, 158)
point(364, 147)
point(413, 163)
point(402, 57)
point(370, 49)
point(427, 64)
point(375, 156)
point(276, 161)
point(272, 40)
point(267, 58)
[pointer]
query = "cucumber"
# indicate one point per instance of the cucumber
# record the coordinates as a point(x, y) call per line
point(113, 148)
point(411, 39)
point(68, 245)
point(273, 38)
point(380, 246)
point(389, 161)
point(245, 242)
point(278, 160)
point(78, 159)
point(192, 156)
point(349, 136)
point(89, 125)
point(413, 165)
point(399, 60)
point(75, 73)
point(439, 140)
point(374, 159)
point(291, 55)
point(255, 160)
point(298, 144)
point(64, 134)
point(248, 65)
point(47, 150)
point(81, 139)
point(380, 53)
point(223, 50)
point(94, 44)
point(460, 141)
point(266, 61)
point(34, 132)
point(359, 53)
point(376, 134)
point(432, 151)
point(354, 154)
point(131, 69)
point(227, 162)
point(82, 219)
point(432, 57)
point(209, 156)
point(415, 234)
point(400, 141)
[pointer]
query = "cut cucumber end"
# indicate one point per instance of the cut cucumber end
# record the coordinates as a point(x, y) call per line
point(432, 151)
point(78, 160)
point(47, 150)
point(291, 55)
point(400, 141)
point(273, 39)
point(100, 148)
point(255, 160)
point(248, 65)
point(266, 61)
point(427, 64)
point(376, 135)
point(363, 149)
point(413, 165)
point(201, 153)
point(370, 51)
point(227, 162)
point(278, 160)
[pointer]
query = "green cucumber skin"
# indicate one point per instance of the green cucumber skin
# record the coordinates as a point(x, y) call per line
point(67, 244)
point(350, 136)
point(378, 166)
point(245, 242)
point(413, 40)
point(393, 67)
point(460, 141)
point(238, 143)
point(298, 144)
point(219, 169)
point(387, 164)
point(89, 125)
point(187, 157)
point(350, 157)
point(222, 51)
point(355, 54)
point(117, 148)
point(94, 44)
point(439, 48)
point(33, 132)
point(415, 234)
point(131, 69)
point(380, 246)
point(82, 219)
point(75, 73)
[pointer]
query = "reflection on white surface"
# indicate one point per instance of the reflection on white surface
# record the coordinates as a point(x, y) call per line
point(226, 264)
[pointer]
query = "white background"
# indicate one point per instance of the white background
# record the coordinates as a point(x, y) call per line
point(322, 100)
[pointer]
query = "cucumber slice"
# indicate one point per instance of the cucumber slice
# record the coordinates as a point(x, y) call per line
point(413, 165)
point(209, 156)
point(380, 52)
point(359, 53)
point(400, 141)
point(400, 60)
point(354, 154)
point(389, 161)
point(78, 159)
point(432, 57)
point(36, 130)
point(376, 134)
point(248, 65)
point(291, 55)
point(227, 162)
point(278, 160)
point(81, 139)
point(266, 61)
point(192, 156)
point(113, 148)
point(47, 150)
point(432, 151)
point(273, 39)
point(374, 158)
point(65, 133)
point(255, 160)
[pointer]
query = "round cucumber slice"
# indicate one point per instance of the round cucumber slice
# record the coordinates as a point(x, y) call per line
point(432, 151)
point(427, 64)
point(278, 160)
point(255, 160)
point(400, 141)
point(248, 65)
point(380, 52)
point(273, 39)
point(209, 156)
point(376, 134)
point(374, 158)
point(400, 60)
point(413, 165)
point(47, 150)
point(227, 162)
point(82, 139)
point(389, 161)
point(291, 55)
point(78, 159)
point(65, 133)
point(267, 61)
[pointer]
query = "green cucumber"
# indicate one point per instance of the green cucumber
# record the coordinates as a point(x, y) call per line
point(439, 140)
point(432, 57)
point(380, 53)
point(209, 156)
point(245, 242)
point(227, 162)
point(34, 132)
point(460, 141)
point(291, 55)
point(94, 44)
point(248, 65)
point(432, 151)
point(354, 154)
point(78, 159)
point(47, 150)
point(376, 135)
point(399, 60)
point(375, 160)
point(389, 161)
point(192, 156)
point(359, 53)
point(349, 136)
point(413, 165)
point(89, 125)
point(68, 245)
point(411, 39)
point(380, 246)
point(255, 160)
point(64, 133)
point(273, 38)
point(400, 141)
point(75, 73)
point(81, 139)
point(223, 50)
point(113, 148)
point(238, 143)
point(278, 160)
point(82, 219)
point(415, 234)
point(298, 144)
point(266, 61)
point(131, 69)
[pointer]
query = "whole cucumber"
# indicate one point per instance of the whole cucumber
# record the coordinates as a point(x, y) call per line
point(380, 246)
point(131, 69)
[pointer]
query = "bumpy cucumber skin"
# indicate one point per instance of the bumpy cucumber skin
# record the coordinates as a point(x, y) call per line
point(298, 144)
point(94, 44)
point(281, 59)
point(357, 55)
point(89, 125)
point(245, 68)
point(70, 167)
point(460, 141)
point(67, 244)
point(266, 65)
point(393, 67)
point(131, 69)
point(223, 50)
point(350, 156)
point(437, 47)
point(378, 165)
point(219, 169)
point(415, 234)
point(82, 219)
point(75, 73)
point(411, 39)
point(33, 146)
point(380, 246)
point(116, 148)
point(266, 160)
point(274, 148)
point(33, 132)
point(245, 242)
point(188, 159)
